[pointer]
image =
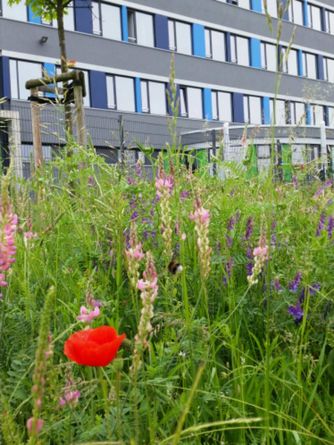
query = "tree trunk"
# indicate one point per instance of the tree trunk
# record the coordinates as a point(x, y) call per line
point(64, 66)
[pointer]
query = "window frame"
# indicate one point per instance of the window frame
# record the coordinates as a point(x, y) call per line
point(235, 38)
point(174, 23)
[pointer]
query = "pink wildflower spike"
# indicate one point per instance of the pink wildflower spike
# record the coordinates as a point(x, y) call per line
point(201, 218)
point(87, 316)
point(39, 425)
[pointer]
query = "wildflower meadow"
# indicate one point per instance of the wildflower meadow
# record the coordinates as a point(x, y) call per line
point(171, 308)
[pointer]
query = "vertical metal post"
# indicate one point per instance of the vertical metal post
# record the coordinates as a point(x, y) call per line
point(122, 142)
point(214, 152)
point(226, 139)
point(36, 129)
point(324, 160)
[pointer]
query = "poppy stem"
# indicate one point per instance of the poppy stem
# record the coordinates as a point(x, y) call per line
point(105, 398)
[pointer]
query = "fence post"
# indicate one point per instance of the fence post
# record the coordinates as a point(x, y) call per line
point(122, 142)
point(36, 129)
point(80, 115)
point(226, 139)
point(214, 152)
point(324, 160)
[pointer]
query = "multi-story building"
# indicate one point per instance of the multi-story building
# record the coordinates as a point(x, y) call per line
point(226, 61)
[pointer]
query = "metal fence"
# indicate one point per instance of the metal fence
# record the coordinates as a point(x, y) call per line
point(115, 135)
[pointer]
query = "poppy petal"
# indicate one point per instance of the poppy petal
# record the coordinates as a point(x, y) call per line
point(93, 347)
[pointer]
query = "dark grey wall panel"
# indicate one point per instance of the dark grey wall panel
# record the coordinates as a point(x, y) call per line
point(243, 19)
point(103, 52)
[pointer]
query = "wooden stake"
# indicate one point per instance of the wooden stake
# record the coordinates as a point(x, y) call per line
point(36, 130)
point(80, 116)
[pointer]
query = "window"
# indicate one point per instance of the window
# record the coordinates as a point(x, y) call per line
point(195, 103)
point(183, 102)
point(281, 112)
point(269, 56)
point(289, 61)
point(240, 50)
point(180, 37)
point(296, 12)
point(221, 106)
point(125, 93)
point(330, 114)
point(297, 113)
point(15, 12)
point(314, 13)
point(310, 65)
point(243, 4)
point(329, 16)
point(317, 114)
point(253, 109)
point(329, 69)
point(271, 7)
point(20, 72)
point(153, 97)
point(69, 18)
point(293, 62)
point(140, 28)
point(191, 102)
point(111, 93)
point(215, 45)
point(107, 20)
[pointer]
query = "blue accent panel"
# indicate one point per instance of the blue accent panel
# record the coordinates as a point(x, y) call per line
point(98, 89)
point(125, 31)
point(238, 108)
point(300, 63)
point(4, 77)
point(33, 18)
point(305, 12)
point(198, 35)
point(320, 67)
point(228, 46)
point(161, 31)
point(323, 19)
point(308, 114)
point(50, 70)
point(266, 110)
point(255, 53)
point(138, 95)
point(83, 16)
point(256, 5)
point(207, 104)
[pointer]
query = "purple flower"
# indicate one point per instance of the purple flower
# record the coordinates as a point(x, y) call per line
point(229, 241)
point(249, 268)
point(321, 224)
point(231, 223)
point(330, 227)
point(184, 194)
point(297, 312)
point(295, 181)
point(131, 181)
point(249, 228)
point(294, 284)
point(134, 215)
point(314, 288)
point(277, 284)
point(320, 191)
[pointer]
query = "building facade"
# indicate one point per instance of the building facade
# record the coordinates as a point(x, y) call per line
point(226, 60)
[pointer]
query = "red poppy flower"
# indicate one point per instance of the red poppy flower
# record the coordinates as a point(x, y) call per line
point(93, 347)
